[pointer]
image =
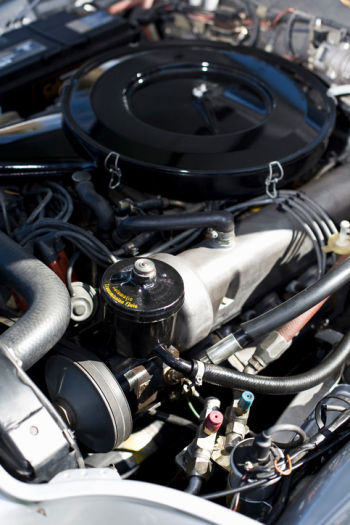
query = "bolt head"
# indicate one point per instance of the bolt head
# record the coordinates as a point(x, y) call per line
point(174, 396)
point(248, 465)
point(145, 268)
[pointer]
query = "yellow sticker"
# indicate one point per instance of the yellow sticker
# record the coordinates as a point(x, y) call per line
point(119, 297)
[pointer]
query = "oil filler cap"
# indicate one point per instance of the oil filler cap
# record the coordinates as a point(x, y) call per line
point(141, 297)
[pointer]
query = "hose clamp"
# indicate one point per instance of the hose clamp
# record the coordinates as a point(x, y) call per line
point(276, 174)
point(115, 171)
point(198, 380)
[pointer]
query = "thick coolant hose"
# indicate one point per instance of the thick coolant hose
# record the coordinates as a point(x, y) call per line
point(294, 307)
point(48, 301)
point(227, 378)
point(217, 375)
point(93, 200)
point(221, 221)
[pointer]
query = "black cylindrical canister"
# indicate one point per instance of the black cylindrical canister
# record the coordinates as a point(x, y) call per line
point(141, 299)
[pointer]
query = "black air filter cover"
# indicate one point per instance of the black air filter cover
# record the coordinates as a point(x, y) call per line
point(198, 120)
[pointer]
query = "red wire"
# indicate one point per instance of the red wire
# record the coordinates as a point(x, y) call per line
point(238, 495)
point(281, 14)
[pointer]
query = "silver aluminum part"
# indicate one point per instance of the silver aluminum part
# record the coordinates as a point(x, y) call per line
point(268, 350)
point(269, 247)
point(99, 495)
point(34, 435)
point(235, 431)
point(236, 428)
point(334, 61)
point(195, 460)
point(222, 350)
point(41, 442)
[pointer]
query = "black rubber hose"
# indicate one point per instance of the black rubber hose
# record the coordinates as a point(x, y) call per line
point(98, 205)
point(194, 485)
point(48, 314)
point(173, 419)
point(220, 376)
point(220, 220)
point(225, 377)
point(185, 367)
point(137, 242)
point(297, 305)
point(150, 204)
point(285, 427)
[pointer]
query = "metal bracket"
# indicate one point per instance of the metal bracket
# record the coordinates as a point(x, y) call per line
point(116, 173)
point(276, 174)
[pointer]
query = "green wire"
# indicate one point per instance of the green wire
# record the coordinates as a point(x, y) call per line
point(193, 410)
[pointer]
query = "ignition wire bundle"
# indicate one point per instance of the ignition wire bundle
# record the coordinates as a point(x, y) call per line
point(307, 212)
point(56, 197)
point(83, 240)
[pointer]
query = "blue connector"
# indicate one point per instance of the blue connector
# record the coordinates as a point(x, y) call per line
point(245, 401)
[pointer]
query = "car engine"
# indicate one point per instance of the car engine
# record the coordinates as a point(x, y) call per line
point(175, 262)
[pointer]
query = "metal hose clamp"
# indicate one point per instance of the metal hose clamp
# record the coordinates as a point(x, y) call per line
point(200, 373)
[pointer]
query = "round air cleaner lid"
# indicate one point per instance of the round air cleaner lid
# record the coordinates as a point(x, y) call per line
point(198, 120)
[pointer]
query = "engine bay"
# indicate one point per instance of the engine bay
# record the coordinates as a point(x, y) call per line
point(174, 265)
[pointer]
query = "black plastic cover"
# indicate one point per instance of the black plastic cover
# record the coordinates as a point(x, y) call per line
point(142, 302)
point(139, 315)
point(198, 120)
